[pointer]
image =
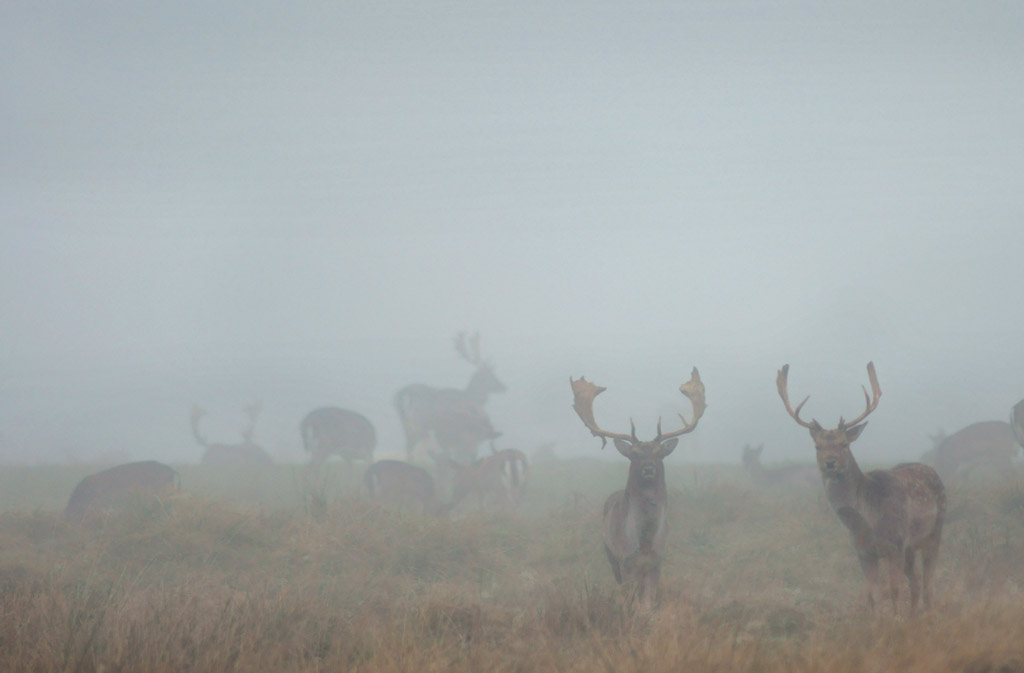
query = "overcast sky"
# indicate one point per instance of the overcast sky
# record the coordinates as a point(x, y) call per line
point(215, 203)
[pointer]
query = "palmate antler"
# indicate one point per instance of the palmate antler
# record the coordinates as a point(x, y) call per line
point(585, 391)
point(871, 401)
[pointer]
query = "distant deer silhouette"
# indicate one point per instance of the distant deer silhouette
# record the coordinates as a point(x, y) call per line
point(441, 413)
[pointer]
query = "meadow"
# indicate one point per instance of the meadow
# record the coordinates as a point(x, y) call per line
point(243, 573)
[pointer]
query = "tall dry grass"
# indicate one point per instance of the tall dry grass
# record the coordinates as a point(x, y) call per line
point(752, 582)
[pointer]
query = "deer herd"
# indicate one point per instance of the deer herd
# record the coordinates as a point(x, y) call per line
point(892, 516)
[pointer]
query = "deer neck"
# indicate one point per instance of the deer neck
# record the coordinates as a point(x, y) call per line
point(844, 489)
point(195, 433)
point(645, 503)
point(476, 389)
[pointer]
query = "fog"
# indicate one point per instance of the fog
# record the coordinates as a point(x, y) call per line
point(215, 204)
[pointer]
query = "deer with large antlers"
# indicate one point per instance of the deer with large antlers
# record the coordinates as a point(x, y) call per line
point(246, 452)
point(635, 526)
point(453, 417)
point(890, 514)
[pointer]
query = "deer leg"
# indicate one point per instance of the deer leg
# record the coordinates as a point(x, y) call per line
point(929, 554)
point(869, 566)
point(616, 568)
point(895, 580)
point(908, 570)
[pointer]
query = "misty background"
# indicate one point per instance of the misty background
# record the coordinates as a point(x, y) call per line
point(217, 203)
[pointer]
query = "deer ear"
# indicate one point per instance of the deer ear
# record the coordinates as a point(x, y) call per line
point(625, 447)
point(668, 446)
point(854, 432)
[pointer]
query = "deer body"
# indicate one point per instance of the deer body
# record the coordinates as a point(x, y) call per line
point(402, 483)
point(635, 524)
point(114, 487)
point(335, 431)
point(988, 443)
point(794, 476)
point(890, 514)
point(245, 452)
point(500, 478)
point(453, 417)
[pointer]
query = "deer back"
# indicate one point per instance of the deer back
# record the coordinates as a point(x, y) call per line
point(337, 431)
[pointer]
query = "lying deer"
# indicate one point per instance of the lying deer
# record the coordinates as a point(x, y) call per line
point(791, 476)
point(115, 487)
point(635, 526)
point(890, 514)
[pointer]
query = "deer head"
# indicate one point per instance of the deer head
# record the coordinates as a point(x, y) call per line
point(484, 381)
point(833, 445)
point(646, 456)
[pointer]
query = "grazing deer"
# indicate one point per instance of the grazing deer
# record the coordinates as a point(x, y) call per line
point(115, 487)
point(401, 483)
point(791, 476)
point(500, 478)
point(245, 452)
point(334, 431)
point(988, 443)
point(890, 514)
point(635, 528)
point(426, 411)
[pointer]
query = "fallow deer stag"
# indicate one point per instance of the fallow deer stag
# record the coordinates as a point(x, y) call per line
point(245, 452)
point(401, 483)
point(635, 526)
point(500, 478)
point(798, 476)
point(115, 487)
point(334, 431)
point(440, 413)
point(890, 514)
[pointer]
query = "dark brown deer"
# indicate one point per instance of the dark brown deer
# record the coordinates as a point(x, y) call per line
point(635, 526)
point(784, 476)
point(245, 452)
point(427, 412)
point(334, 431)
point(401, 483)
point(890, 514)
point(500, 478)
point(1017, 421)
point(114, 488)
point(991, 444)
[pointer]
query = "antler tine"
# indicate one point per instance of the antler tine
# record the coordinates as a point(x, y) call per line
point(468, 349)
point(583, 393)
point(870, 402)
point(694, 390)
point(781, 383)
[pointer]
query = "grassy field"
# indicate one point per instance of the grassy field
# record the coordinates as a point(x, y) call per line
point(240, 575)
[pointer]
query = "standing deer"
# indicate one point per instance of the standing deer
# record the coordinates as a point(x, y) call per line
point(334, 431)
point(890, 514)
point(401, 483)
point(426, 411)
point(500, 478)
point(794, 476)
point(245, 452)
point(635, 528)
point(115, 487)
